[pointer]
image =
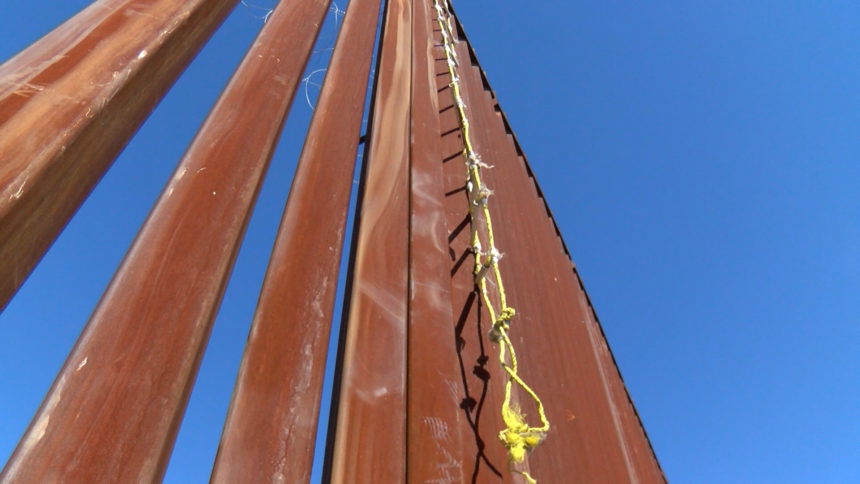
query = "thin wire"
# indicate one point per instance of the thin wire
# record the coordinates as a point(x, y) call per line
point(307, 80)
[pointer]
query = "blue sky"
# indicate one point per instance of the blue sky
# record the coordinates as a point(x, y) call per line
point(701, 159)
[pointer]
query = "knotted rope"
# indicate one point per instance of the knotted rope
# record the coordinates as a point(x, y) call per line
point(518, 436)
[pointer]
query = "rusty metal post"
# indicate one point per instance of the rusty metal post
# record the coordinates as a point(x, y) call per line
point(481, 379)
point(270, 429)
point(438, 433)
point(563, 353)
point(115, 408)
point(369, 444)
point(70, 102)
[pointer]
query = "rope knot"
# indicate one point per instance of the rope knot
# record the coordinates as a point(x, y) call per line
point(502, 324)
point(482, 196)
point(476, 247)
point(495, 256)
point(474, 161)
point(518, 437)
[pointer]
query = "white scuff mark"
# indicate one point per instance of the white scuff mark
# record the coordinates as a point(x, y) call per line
point(388, 302)
point(41, 426)
point(20, 191)
point(27, 88)
point(201, 170)
point(438, 427)
point(422, 185)
point(169, 192)
point(38, 432)
point(380, 392)
point(82, 364)
point(432, 290)
point(316, 304)
point(296, 416)
point(305, 381)
point(181, 173)
point(454, 390)
point(142, 54)
point(448, 464)
point(129, 12)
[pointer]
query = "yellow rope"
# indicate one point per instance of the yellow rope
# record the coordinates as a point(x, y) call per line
point(517, 436)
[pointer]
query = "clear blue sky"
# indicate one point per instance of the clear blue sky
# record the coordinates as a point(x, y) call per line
point(701, 159)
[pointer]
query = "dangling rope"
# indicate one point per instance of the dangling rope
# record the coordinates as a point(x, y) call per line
point(518, 436)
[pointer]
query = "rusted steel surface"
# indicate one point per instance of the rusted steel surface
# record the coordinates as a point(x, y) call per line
point(114, 410)
point(270, 430)
point(438, 433)
point(481, 382)
point(70, 103)
point(369, 444)
point(596, 434)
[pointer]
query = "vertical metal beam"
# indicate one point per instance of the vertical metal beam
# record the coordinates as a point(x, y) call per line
point(481, 380)
point(70, 102)
point(437, 428)
point(369, 444)
point(270, 429)
point(115, 408)
point(563, 353)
